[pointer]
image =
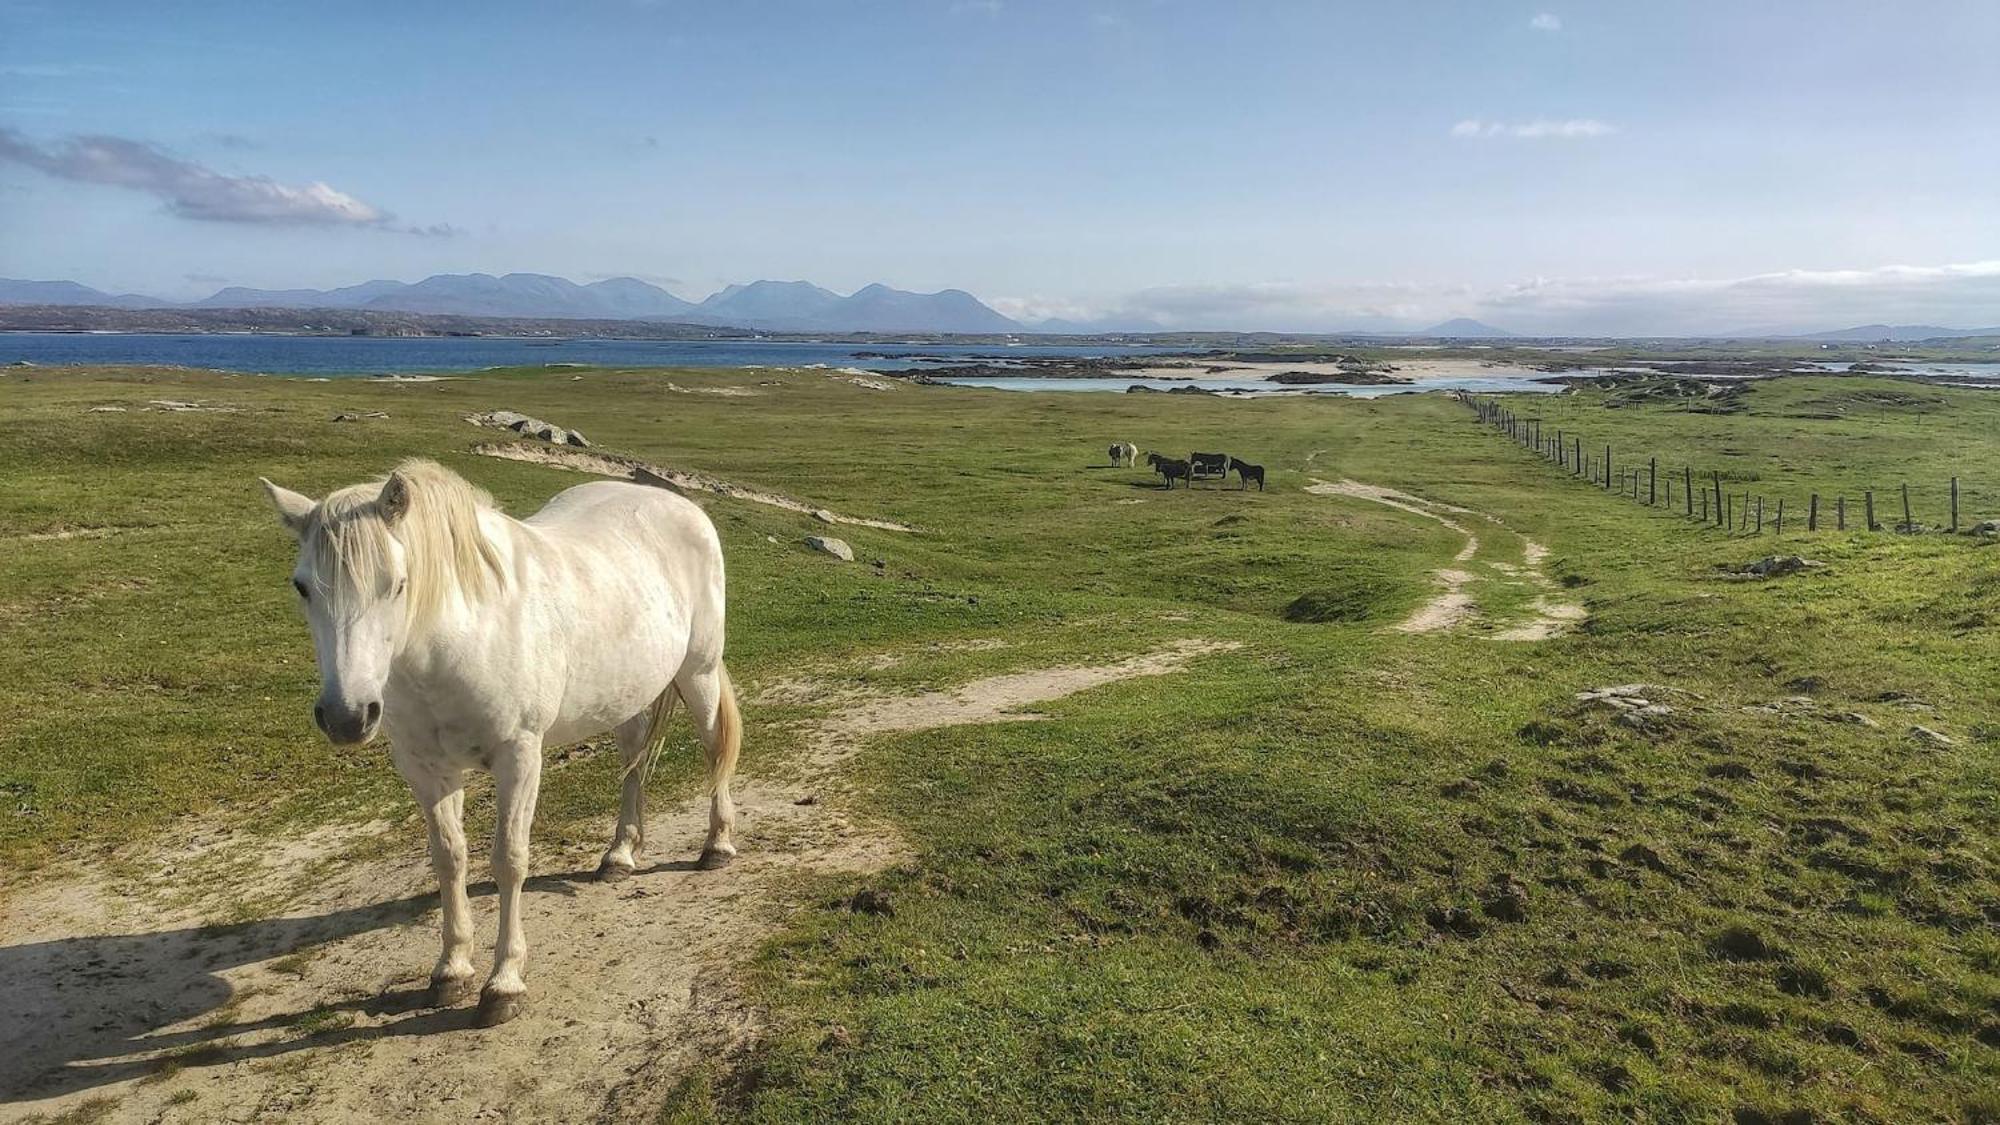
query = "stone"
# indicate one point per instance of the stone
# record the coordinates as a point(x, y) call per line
point(838, 548)
point(1777, 566)
point(1931, 737)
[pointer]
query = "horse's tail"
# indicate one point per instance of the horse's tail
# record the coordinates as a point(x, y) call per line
point(729, 728)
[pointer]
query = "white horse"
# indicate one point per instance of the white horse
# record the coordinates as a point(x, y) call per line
point(473, 639)
point(1124, 454)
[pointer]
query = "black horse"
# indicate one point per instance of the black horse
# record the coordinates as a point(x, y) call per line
point(1246, 472)
point(1170, 468)
point(1210, 464)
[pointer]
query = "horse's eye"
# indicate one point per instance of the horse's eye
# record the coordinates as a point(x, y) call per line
point(301, 588)
point(401, 585)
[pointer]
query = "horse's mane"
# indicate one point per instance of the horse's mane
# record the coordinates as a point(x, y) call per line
point(444, 550)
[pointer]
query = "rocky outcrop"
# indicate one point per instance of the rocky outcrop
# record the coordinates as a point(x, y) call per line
point(532, 427)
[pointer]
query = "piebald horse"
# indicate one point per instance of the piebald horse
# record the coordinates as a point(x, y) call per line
point(1124, 454)
point(473, 639)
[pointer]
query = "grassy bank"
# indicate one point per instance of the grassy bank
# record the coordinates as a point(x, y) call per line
point(1338, 873)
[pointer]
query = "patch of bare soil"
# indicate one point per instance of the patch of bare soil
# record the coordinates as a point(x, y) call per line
point(1454, 604)
point(141, 992)
point(603, 464)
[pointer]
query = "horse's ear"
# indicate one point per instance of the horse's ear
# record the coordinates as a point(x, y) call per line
point(395, 498)
point(293, 509)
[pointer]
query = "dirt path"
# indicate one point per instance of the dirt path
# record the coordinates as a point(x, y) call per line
point(1455, 605)
point(600, 463)
point(178, 1014)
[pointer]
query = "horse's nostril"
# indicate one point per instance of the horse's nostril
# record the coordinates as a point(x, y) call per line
point(374, 713)
point(319, 717)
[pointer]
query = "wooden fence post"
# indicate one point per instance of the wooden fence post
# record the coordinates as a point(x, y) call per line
point(1687, 487)
point(1718, 498)
point(1840, 513)
point(1954, 505)
point(1607, 466)
point(1812, 514)
point(1760, 515)
point(1652, 481)
point(1704, 506)
point(1908, 524)
point(1868, 508)
point(1781, 517)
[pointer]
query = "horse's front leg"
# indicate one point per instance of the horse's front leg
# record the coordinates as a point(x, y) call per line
point(440, 791)
point(517, 776)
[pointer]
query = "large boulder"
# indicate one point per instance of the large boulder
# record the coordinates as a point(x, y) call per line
point(838, 548)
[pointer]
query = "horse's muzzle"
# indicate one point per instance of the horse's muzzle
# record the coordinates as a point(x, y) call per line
point(345, 724)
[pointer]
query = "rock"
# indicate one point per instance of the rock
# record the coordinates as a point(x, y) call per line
point(822, 515)
point(1777, 566)
point(1506, 899)
point(105, 410)
point(1742, 943)
point(1455, 920)
point(357, 416)
point(1986, 527)
point(1647, 858)
point(532, 427)
point(872, 902)
point(1634, 705)
point(1930, 737)
point(838, 548)
point(21, 363)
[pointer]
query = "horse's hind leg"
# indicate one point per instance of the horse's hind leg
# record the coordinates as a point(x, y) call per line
point(711, 703)
point(634, 738)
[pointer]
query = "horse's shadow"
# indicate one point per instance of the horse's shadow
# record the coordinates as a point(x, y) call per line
point(80, 1009)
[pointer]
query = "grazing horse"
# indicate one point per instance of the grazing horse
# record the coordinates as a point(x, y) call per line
point(1171, 469)
point(1246, 472)
point(1210, 464)
point(473, 639)
point(1124, 454)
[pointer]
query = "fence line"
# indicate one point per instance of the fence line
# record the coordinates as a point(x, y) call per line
point(1708, 505)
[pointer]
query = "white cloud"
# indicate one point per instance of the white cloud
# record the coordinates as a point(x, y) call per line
point(1546, 21)
point(1960, 295)
point(976, 7)
point(1576, 128)
point(191, 190)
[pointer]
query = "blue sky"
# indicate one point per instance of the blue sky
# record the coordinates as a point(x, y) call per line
point(1602, 167)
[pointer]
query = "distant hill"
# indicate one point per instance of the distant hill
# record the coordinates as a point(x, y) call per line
point(799, 306)
point(70, 293)
point(768, 304)
point(1463, 329)
point(1896, 333)
point(775, 306)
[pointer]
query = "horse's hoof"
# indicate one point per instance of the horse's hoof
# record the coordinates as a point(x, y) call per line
point(497, 1008)
point(608, 872)
point(446, 992)
point(713, 859)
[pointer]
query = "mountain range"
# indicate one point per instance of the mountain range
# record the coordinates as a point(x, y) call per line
point(776, 306)
point(1897, 333)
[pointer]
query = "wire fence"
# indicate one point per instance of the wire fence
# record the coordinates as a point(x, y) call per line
point(1705, 497)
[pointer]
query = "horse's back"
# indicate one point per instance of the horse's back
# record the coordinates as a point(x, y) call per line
point(616, 507)
point(638, 536)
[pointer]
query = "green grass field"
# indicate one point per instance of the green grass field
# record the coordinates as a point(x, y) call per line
point(1339, 873)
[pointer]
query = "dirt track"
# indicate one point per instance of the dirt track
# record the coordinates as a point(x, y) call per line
point(1455, 605)
point(315, 1013)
